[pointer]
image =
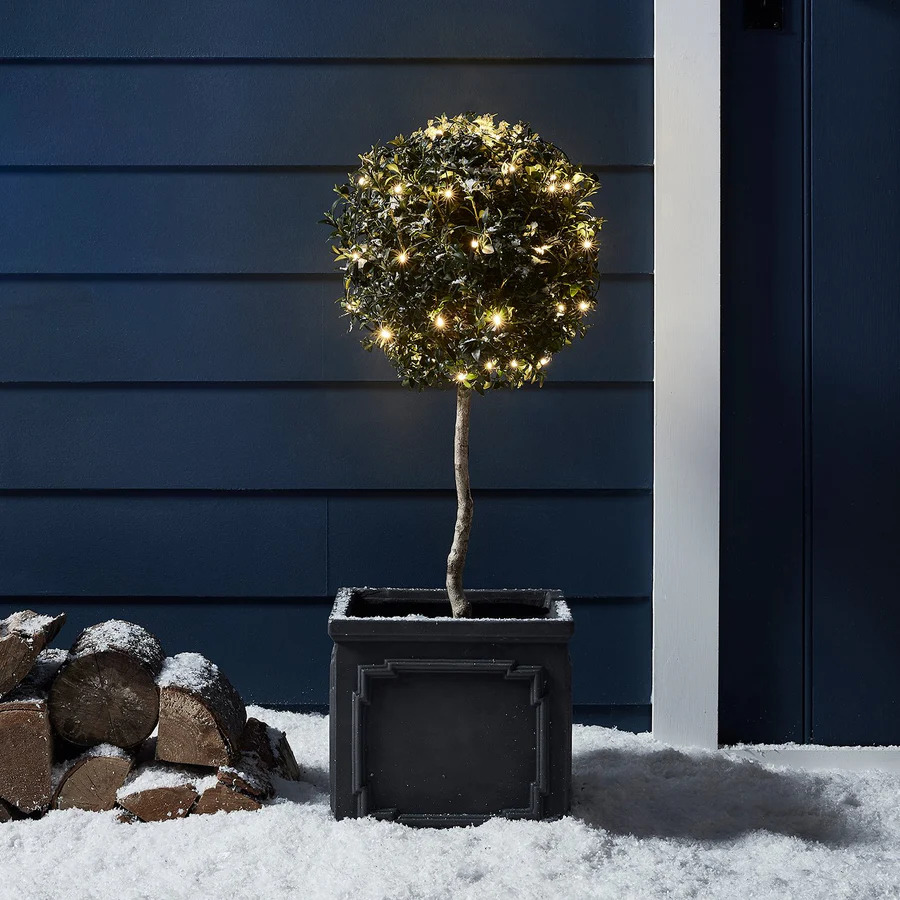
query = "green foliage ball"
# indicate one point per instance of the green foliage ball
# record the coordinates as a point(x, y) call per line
point(470, 252)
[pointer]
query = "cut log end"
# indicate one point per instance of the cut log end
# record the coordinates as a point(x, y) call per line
point(91, 783)
point(201, 715)
point(272, 749)
point(106, 693)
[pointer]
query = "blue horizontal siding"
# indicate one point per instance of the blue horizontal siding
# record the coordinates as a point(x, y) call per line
point(277, 652)
point(589, 546)
point(196, 544)
point(90, 330)
point(320, 437)
point(227, 222)
point(340, 28)
point(251, 114)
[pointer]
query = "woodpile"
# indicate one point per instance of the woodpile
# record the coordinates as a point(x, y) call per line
point(113, 724)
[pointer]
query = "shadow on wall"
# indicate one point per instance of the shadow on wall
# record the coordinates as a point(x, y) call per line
point(673, 794)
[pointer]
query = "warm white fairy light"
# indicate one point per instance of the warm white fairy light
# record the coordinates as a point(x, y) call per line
point(497, 319)
point(385, 334)
point(553, 177)
point(544, 361)
point(362, 181)
point(567, 186)
point(551, 188)
point(587, 243)
point(489, 365)
point(461, 376)
point(354, 256)
point(514, 364)
point(584, 306)
point(474, 243)
point(448, 193)
point(439, 321)
point(398, 188)
point(402, 257)
point(560, 308)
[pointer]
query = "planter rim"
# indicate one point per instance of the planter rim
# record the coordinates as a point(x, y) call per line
point(556, 625)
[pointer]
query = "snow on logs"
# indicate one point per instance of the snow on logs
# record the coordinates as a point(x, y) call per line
point(77, 728)
point(23, 635)
point(106, 693)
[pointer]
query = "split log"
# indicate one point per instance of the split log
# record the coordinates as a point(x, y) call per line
point(92, 781)
point(271, 748)
point(23, 635)
point(222, 798)
point(247, 778)
point(157, 793)
point(106, 693)
point(201, 715)
point(26, 739)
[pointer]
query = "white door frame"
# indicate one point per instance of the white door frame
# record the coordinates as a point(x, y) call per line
point(686, 397)
point(686, 379)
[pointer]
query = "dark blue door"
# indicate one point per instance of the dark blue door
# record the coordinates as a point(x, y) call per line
point(811, 365)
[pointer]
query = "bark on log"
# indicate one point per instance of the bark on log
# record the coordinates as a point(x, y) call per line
point(160, 804)
point(156, 793)
point(106, 693)
point(271, 748)
point(92, 781)
point(26, 739)
point(23, 635)
point(222, 798)
point(247, 777)
point(26, 755)
point(201, 716)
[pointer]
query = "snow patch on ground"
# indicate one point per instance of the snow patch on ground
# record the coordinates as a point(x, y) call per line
point(648, 822)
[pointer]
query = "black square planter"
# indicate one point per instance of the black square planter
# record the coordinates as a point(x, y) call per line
point(440, 721)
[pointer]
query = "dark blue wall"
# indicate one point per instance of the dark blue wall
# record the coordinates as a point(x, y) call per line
point(189, 439)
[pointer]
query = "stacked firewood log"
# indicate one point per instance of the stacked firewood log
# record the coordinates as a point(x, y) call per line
point(114, 724)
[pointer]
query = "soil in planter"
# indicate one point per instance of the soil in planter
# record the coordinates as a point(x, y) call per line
point(512, 605)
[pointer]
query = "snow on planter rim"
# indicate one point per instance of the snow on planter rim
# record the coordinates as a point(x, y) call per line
point(558, 609)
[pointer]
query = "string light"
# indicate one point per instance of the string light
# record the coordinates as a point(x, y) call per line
point(514, 364)
point(560, 308)
point(398, 188)
point(402, 257)
point(545, 361)
point(439, 322)
point(587, 243)
point(567, 186)
point(354, 256)
point(461, 376)
point(551, 188)
point(385, 334)
point(448, 193)
point(362, 181)
point(474, 243)
point(584, 306)
point(497, 319)
point(489, 365)
point(553, 177)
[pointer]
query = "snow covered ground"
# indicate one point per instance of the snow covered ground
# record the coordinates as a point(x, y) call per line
point(648, 822)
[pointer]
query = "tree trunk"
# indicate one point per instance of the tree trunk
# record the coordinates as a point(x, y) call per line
point(456, 561)
point(106, 693)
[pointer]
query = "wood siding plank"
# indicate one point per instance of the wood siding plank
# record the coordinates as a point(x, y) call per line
point(232, 114)
point(62, 222)
point(271, 545)
point(340, 28)
point(319, 437)
point(589, 546)
point(238, 330)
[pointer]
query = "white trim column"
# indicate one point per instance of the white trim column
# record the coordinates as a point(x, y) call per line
point(686, 466)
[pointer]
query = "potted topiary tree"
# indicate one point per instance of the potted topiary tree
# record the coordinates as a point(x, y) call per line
point(469, 253)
